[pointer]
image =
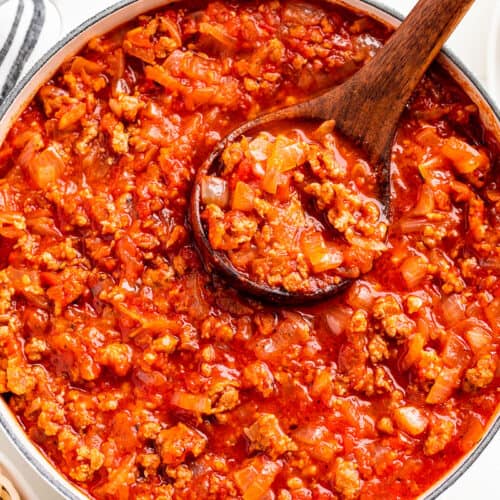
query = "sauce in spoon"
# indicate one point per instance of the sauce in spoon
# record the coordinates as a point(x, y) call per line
point(365, 110)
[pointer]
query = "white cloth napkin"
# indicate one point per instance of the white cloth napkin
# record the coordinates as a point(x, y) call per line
point(28, 28)
point(20, 28)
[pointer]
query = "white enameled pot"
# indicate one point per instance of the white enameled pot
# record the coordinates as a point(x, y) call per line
point(13, 482)
point(105, 21)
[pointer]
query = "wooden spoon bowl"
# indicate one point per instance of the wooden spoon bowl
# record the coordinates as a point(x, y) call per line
point(219, 260)
point(366, 110)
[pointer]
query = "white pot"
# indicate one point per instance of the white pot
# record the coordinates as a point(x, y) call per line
point(105, 21)
point(14, 483)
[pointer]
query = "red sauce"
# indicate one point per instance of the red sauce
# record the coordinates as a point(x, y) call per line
point(297, 210)
point(142, 376)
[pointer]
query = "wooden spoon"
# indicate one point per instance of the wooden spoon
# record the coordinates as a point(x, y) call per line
point(366, 109)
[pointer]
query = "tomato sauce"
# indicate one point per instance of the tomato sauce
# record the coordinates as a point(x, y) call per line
point(142, 376)
point(297, 211)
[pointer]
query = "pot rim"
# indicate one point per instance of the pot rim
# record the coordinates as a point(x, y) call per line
point(9, 424)
point(20, 484)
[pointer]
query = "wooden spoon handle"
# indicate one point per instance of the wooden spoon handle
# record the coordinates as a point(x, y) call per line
point(368, 106)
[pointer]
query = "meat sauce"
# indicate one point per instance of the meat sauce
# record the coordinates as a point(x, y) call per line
point(142, 376)
point(297, 211)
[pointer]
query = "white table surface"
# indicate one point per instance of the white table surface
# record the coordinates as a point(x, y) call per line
point(469, 43)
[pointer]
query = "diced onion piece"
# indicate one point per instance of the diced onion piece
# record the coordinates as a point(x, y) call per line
point(72, 116)
point(366, 45)
point(414, 270)
point(256, 478)
point(198, 306)
point(219, 32)
point(369, 244)
point(360, 296)
point(411, 420)
point(478, 339)
point(43, 226)
point(428, 168)
point(196, 403)
point(170, 26)
point(200, 97)
point(243, 197)
point(492, 263)
point(310, 434)
point(428, 136)
point(456, 352)
point(8, 218)
point(160, 75)
point(473, 434)
point(139, 36)
point(153, 133)
point(285, 156)
point(446, 382)
point(302, 13)
point(331, 259)
point(268, 495)
point(321, 256)
point(46, 167)
point(453, 309)
point(291, 156)
point(410, 225)
point(260, 147)
point(81, 64)
point(318, 441)
point(338, 319)
point(465, 158)
point(214, 191)
point(271, 178)
point(426, 203)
